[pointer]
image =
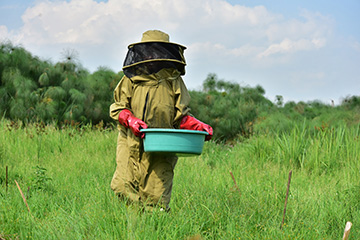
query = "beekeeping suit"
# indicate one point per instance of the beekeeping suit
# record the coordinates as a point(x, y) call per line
point(152, 94)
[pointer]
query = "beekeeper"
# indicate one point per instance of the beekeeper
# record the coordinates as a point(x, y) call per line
point(152, 94)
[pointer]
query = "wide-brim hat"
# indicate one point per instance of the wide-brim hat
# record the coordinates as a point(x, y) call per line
point(155, 36)
point(153, 53)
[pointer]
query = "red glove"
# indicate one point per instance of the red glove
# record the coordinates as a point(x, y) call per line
point(191, 123)
point(127, 119)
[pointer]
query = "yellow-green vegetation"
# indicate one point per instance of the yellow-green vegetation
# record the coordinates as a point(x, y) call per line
point(65, 177)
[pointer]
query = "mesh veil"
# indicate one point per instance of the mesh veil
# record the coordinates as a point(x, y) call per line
point(150, 57)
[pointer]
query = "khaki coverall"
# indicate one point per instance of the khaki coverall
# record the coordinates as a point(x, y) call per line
point(160, 100)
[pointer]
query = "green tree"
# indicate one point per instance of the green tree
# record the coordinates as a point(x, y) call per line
point(101, 85)
point(229, 108)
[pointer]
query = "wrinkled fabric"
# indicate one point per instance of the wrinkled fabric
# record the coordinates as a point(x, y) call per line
point(160, 100)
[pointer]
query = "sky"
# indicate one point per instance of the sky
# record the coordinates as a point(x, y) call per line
point(303, 50)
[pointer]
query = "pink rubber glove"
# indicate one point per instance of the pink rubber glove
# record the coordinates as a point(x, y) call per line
point(127, 119)
point(191, 123)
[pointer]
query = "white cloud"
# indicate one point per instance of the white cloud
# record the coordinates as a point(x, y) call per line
point(80, 21)
point(210, 49)
point(231, 40)
point(3, 32)
point(122, 21)
point(289, 46)
point(310, 25)
point(77, 21)
point(222, 12)
point(6, 35)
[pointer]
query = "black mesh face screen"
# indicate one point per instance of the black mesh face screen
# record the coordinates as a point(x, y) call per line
point(148, 58)
point(148, 68)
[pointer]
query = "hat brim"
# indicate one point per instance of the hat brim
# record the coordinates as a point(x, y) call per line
point(131, 45)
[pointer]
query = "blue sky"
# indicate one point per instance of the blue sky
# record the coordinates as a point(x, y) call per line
point(303, 50)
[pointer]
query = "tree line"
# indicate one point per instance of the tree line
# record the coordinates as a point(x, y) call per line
point(35, 90)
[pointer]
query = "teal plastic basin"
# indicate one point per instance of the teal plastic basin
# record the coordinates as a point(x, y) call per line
point(179, 141)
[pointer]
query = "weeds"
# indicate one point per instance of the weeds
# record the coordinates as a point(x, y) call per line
point(70, 197)
point(40, 180)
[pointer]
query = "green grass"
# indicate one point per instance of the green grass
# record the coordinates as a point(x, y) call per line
point(65, 176)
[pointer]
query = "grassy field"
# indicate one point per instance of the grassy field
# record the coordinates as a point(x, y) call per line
point(65, 177)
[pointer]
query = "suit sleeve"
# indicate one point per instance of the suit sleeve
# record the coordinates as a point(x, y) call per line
point(182, 100)
point(122, 97)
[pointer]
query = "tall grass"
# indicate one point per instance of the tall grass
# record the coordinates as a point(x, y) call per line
point(65, 176)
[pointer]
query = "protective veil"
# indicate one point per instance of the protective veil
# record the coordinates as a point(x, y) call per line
point(153, 90)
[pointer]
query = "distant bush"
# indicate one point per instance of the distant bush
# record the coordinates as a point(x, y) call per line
point(32, 90)
point(351, 103)
point(229, 108)
point(314, 113)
